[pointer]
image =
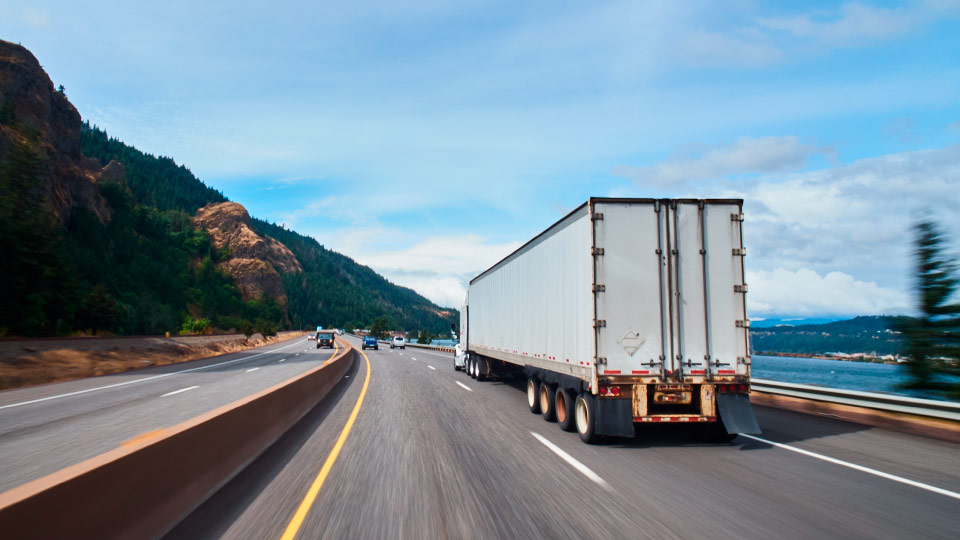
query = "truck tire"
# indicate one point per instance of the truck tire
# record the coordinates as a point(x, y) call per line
point(533, 392)
point(586, 417)
point(566, 403)
point(472, 367)
point(548, 404)
point(482, 369)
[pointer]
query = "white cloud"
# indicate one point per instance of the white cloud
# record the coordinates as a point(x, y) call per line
point(804, 292)
point(747, 155)
point(438, 267)
point(854, 220)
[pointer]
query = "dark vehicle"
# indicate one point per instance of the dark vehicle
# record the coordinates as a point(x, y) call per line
point(370, 342)
point(325, 339)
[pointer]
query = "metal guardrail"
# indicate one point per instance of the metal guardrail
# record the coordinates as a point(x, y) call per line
point(432, 347)
point(947, 410)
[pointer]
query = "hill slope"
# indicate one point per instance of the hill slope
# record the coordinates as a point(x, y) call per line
point(859, 335)
point(99, 235)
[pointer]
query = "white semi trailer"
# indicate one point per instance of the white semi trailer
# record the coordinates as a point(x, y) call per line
point(624, 312)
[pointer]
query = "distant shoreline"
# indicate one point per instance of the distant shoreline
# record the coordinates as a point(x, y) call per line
point(856, 358)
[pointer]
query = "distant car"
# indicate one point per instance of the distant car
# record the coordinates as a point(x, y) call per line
point(370, 342)
point(398, 342)
point(340, 331)
point(312, 336)
point(325, 339)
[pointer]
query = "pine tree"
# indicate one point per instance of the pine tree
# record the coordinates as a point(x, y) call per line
point(932, 340)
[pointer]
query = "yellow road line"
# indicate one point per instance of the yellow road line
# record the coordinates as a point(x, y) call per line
point(294, 526)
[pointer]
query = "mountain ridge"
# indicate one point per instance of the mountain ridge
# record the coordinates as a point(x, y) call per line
point(99, 235)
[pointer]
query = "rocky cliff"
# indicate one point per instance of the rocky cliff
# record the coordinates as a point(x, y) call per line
point(255, 261)
point(40, 132)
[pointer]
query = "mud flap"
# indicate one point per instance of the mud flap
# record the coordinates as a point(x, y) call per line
point(615, 417)
point(737, 414)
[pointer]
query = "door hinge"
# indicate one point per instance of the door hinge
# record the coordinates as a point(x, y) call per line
point(597, 216)
point(596, 251)
point(743, 360)
point(740, 288)
point(599, 323)
point(600, 360)
point(736, 217)
point(599, 288)
point(742, 252)
point(745, 323)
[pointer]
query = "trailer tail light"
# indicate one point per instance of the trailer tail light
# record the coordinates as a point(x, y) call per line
point(738, 388)
point(610, 391)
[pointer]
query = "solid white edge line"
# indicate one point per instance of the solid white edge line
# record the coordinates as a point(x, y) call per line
point(431, 367)
point(860, 468)
point(252, 369)
point(580, 467)
point(180, 390)
point(281, 360)
point(465, 387)
point(78, 392)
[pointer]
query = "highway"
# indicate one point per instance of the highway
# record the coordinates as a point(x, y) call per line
point(409, 448)
point(46, 428)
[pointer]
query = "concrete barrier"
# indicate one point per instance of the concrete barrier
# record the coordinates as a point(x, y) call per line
point(144, 489)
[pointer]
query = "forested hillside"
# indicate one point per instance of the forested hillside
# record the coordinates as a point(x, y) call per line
point(96, 235)
point(858, 335)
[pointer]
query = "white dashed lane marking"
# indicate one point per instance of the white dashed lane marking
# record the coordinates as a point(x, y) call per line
point(180, 390)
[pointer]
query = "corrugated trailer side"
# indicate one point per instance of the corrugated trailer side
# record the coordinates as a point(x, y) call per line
point(535, 307)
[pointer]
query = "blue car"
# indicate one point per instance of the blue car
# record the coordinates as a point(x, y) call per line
point(371, 342)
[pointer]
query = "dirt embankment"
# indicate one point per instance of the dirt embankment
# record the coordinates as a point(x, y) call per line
point(30, 362)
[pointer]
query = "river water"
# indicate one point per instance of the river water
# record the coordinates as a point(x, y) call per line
point(861, 376)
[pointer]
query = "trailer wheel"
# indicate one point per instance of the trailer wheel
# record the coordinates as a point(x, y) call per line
point(586, 417)
point(548, 407)
point(533, 389)
point(482, 369)
point(566, 403)
point(472, 367)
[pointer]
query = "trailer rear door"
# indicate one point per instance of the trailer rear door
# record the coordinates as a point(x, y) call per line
point(629, 285)
point(669, 288)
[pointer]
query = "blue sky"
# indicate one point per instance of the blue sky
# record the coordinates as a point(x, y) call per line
point(427, 139)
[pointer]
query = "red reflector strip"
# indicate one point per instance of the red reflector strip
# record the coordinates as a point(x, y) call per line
point(641, 372)
point(611, 372)
point(696, 372)
point(674, 418)
point(726, 371)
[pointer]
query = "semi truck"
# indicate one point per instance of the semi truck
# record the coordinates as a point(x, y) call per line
point(624, 313)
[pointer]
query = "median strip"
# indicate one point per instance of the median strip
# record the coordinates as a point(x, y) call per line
point(297, 521)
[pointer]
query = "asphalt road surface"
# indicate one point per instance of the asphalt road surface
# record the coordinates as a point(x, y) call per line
point(435, 454)
point(46, 428)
